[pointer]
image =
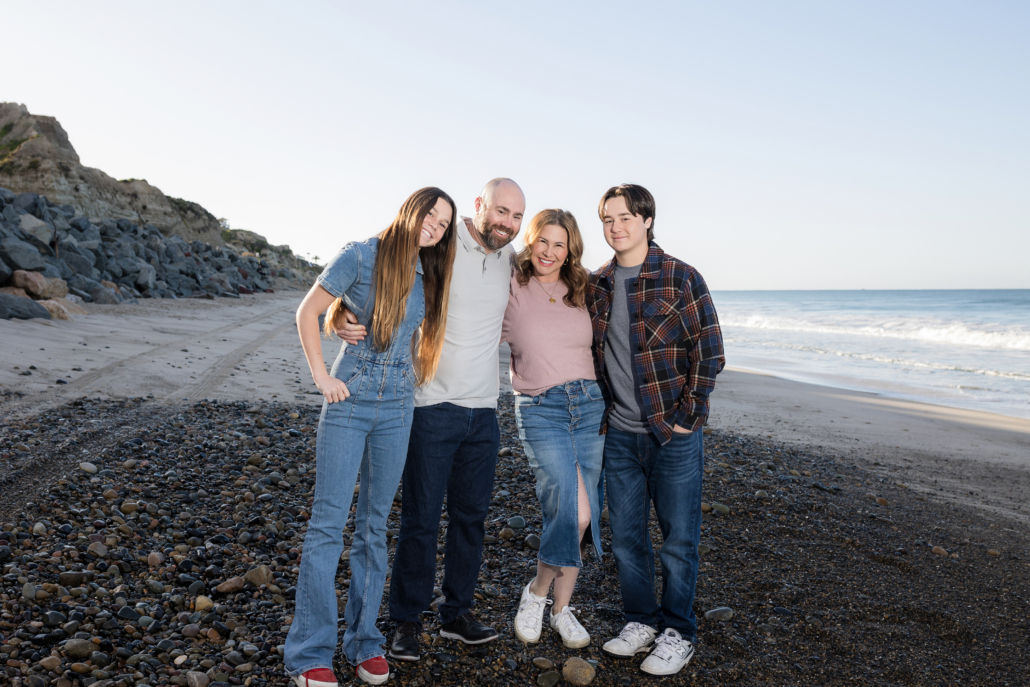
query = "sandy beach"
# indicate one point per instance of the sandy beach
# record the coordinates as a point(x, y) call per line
point(847, 537)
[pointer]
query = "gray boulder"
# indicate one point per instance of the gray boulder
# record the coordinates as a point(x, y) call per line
point(129, 265)
point(7, 196)
point(104, 296)
point(64, 271)
point(80, 223)
point(147, 277)
point(27, 202)
point(20, 255)
point(5, 273)
point(21, 308)
point(80, 264)
point(82, 283)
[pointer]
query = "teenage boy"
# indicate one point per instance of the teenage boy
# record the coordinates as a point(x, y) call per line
point(454, 432)
point(658, 349)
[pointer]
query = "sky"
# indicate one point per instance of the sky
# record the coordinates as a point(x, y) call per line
point(789, 145)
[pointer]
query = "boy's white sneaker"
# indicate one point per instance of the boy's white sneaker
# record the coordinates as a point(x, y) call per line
point(572, 633)
point(633, 639)
point(529, 620)
point(671, 652)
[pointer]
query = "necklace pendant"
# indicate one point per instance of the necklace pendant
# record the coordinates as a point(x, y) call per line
point(552, 300)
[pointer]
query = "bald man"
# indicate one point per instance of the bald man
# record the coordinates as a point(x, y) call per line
point(454, 433)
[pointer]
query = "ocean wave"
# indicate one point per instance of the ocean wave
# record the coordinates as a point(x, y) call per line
point(890, 360)
point(1013, 338)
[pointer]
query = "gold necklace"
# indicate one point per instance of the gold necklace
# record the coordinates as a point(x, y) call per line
point(555, 288)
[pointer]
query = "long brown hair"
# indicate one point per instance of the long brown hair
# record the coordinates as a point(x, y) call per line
point(394, 276)
point(572, 273)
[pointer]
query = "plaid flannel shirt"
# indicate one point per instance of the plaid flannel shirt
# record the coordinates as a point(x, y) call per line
point(676, 334)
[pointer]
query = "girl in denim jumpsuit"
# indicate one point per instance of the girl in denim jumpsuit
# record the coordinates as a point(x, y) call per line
point(362, 435)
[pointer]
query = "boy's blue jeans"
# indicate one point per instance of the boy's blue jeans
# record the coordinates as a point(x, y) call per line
point(639, 471)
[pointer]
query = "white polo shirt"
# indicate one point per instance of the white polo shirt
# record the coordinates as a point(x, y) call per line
point(468, 375)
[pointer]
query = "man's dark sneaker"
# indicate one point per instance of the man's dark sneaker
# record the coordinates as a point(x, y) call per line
point(404, 646)
point(465, 628)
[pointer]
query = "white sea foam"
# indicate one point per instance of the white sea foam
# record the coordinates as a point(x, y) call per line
point(880, 358)
point(1011, 338)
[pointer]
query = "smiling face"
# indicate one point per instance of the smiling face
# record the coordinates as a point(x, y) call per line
point(548, 253)
point(499, 216)
point(434, 226)
point(625, 232)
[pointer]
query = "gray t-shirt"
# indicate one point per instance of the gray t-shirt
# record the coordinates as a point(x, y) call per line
point(627, 411)
point(468, 372)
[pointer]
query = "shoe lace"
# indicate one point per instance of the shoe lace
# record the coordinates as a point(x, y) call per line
point(534, 607)
point(567, 622)
point(633, 631)
point(666, 647)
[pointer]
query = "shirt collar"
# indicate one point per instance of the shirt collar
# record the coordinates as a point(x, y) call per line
point(469, 243)
point(650, 269)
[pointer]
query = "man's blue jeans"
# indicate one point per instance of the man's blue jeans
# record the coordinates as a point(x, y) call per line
point(452, 450)
point(639, 471)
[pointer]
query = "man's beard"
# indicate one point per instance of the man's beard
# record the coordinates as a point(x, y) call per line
point(492, 241)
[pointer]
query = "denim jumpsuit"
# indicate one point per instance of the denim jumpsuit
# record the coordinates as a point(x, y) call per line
point(366, 437)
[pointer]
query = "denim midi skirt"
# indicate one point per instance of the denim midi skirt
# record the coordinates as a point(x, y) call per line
point(560, 429)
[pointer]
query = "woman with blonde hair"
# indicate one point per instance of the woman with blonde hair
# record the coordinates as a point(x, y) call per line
point(397, 284)
point(558, 408)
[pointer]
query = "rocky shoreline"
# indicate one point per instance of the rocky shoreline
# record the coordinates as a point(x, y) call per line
point(165, 552)
point(53, 259)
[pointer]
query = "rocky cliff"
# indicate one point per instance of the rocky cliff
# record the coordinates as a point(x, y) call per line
point(36, 156)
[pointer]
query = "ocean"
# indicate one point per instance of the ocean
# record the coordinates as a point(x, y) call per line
point(965, 349)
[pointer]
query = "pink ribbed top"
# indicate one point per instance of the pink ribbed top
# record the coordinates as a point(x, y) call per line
point(550, 342)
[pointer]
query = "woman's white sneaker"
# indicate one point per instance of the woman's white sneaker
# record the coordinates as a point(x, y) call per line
point(529, 620)
point(671, 652)
point(572, 633)
point(633, 639)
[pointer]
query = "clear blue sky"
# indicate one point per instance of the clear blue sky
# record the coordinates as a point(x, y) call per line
point(788, 144)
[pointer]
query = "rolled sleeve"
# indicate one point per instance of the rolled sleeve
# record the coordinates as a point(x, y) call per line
point(342, 271)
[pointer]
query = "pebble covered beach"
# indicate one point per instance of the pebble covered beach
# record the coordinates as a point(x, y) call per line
point(148, 544)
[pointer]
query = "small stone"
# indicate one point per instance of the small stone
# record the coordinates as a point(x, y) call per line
point(190, 631)
point(203, 603)
point(39, 528)
point(722, 614)
point(504, 452)
point(50, 663)
point(543, 663)
point(155, 559)
point(532, 542)
point(578, 672)
point(702, 549)
point(506, 533)
point(71, 579)
point(882, 501)
point(127, 613)
point(195, 678)
point(705, 508)
point(156, 586)
point(230, 586)
point(548, 679)
point(940, 551)
point(993, 552)
point(88, 467)
point(259, 576)
point(517, 522)
point(130, 464)
point(79, 649)
point(28, 591)
point(813, 621)
point(721, 509)
point(97, 549)
point(129, 507)
point(762, 494)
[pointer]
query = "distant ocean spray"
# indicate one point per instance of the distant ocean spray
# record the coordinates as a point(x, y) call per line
point(967, 349)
